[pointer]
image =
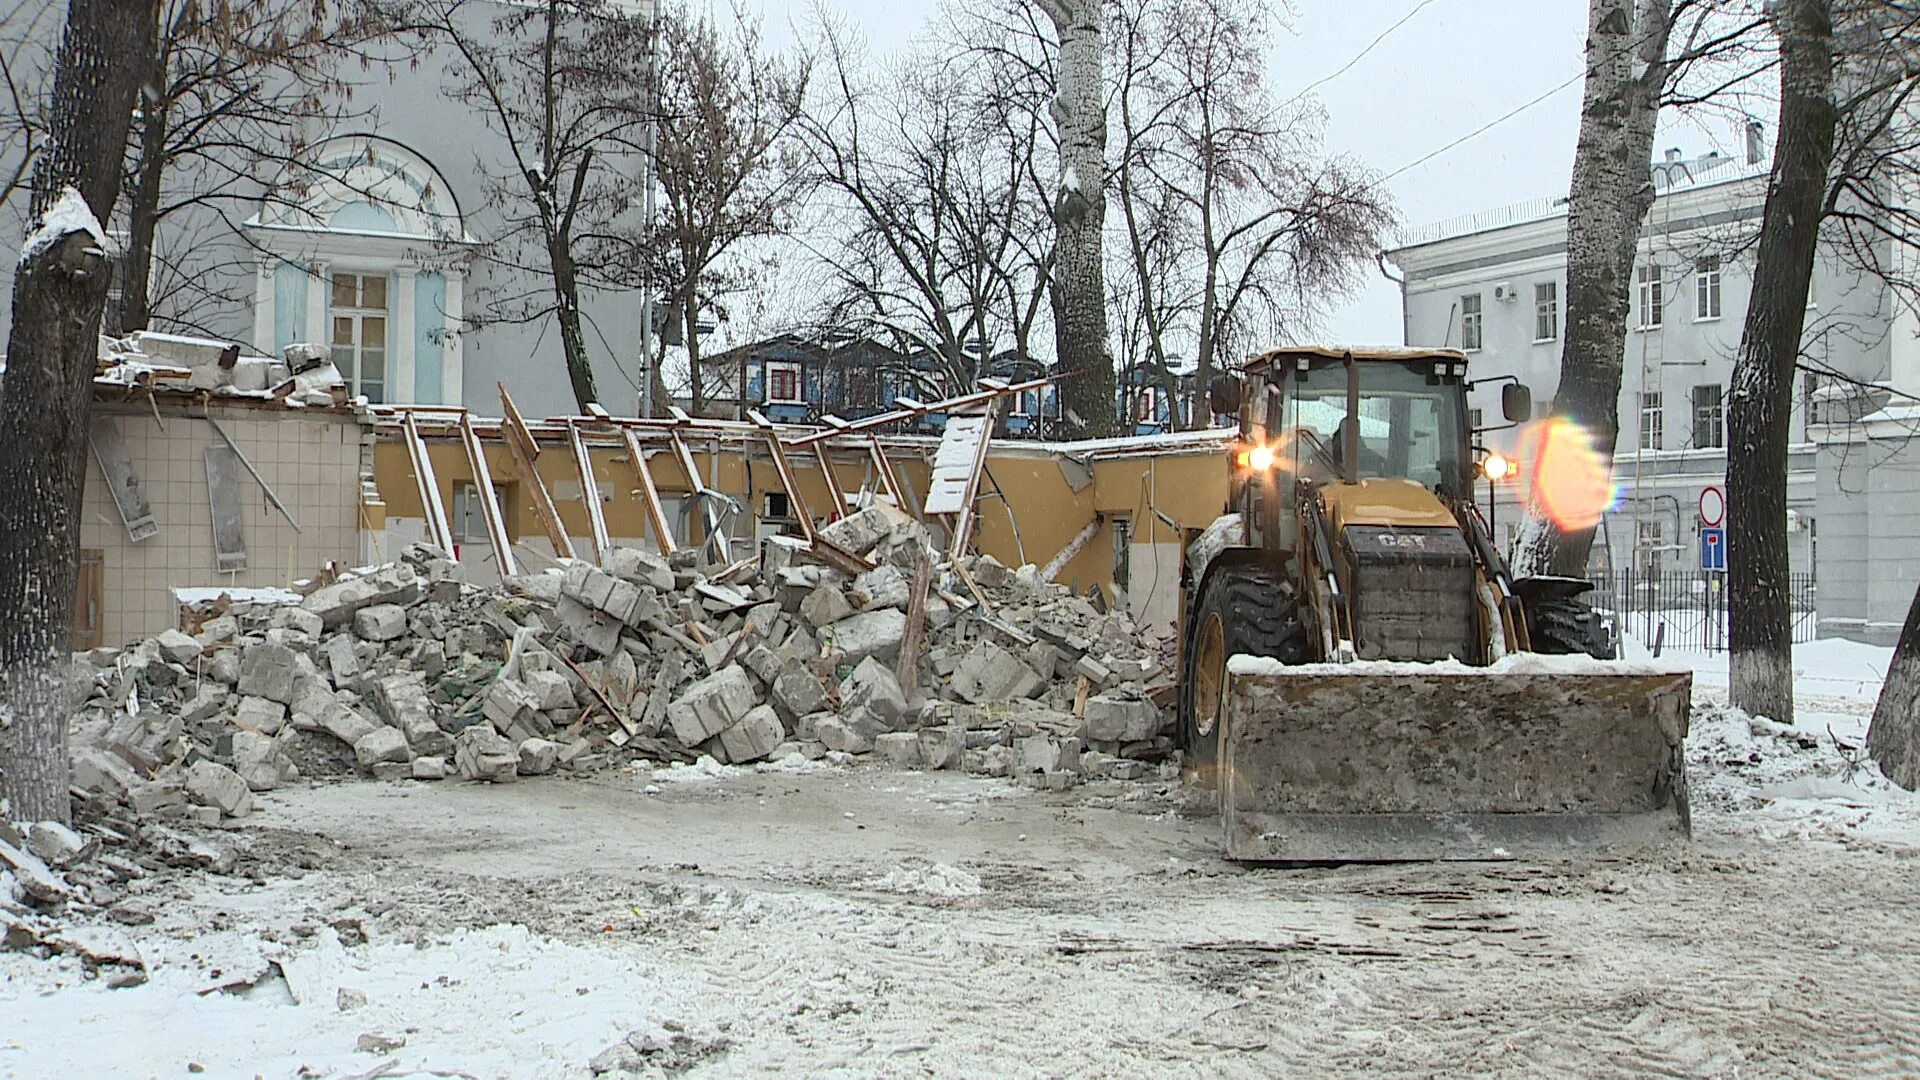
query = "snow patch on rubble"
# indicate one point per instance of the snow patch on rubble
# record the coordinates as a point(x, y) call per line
point(497, 1001)
point(700, 771)
point(929, 879)
point(797, 764)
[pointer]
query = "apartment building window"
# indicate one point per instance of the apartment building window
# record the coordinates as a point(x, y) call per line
point(1706, 287)
point(1470, 322)
point(360, 332)
point(1546, 311)
point(1652, 302)
point(1709, 417)
point(1652, 421)
point(783, 381)
point(1653, 542)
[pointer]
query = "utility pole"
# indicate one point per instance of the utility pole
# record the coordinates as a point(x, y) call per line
point(643, 406)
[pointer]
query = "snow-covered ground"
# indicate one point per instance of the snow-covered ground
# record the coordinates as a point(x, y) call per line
point(834, 921)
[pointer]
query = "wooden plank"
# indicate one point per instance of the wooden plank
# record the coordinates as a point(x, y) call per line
point(909, 409)
point(589, 495)
point(832, 480)
point(797, 503)
point(650, 494)
point(963, 520)
point(524, 451)
point(907, 671)
point(482, 475)
point(953, 480)
point(428, 486)
point(223, 478)
point(889, 481)
point(90, 600)
point(123, 480)
point(261, 480)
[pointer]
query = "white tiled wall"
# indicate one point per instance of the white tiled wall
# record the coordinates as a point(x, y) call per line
point(311, 459)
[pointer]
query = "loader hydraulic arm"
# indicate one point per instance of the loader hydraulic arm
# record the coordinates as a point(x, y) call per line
point(1513, 619)
point(1321, 574)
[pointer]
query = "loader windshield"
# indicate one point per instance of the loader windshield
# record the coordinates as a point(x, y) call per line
point(1409, 421)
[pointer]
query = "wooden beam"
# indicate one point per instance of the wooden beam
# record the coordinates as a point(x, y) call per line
point(889, 481)
point(832, 480)
point(650, 494)
point(429, 486)
point(589, 495)
point(525, 452)
point(482, 475)
point(796, 502)
point(911, 409)
point(963, 521)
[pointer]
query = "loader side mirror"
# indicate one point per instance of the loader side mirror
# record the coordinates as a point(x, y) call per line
point(1223, 395)
point(1516, 402)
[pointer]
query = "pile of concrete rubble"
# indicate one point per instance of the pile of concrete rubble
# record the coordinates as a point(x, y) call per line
point(406, 672)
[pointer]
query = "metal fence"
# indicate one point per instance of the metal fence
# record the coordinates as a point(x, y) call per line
point(1685, 610)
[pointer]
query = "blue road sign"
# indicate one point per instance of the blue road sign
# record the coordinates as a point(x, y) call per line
point(1713, 549)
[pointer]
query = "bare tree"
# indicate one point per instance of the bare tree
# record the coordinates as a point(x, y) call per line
point(1234, 226)
point(727, 165)
point(24, 58)
point(1080, 215)
point(1893, 740)
point(237, 94)
point(46, 398)
point(563, 83)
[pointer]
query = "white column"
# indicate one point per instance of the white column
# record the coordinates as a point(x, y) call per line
point(451, 387)
point(400, 347)
point(263, 315)
point(319, 300)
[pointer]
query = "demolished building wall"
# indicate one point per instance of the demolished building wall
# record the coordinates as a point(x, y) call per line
point(311, 458)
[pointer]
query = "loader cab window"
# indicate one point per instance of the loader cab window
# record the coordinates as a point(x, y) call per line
point(1409, 426)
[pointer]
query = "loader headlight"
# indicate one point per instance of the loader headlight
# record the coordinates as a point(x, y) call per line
point(1260, 459)
point(1496, 467)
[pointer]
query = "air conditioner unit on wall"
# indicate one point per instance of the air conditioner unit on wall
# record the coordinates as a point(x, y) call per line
point(1505, 292)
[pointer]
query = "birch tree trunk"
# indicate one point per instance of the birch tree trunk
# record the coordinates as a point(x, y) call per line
point(46, 397)
point(1894, 738)
point(1080, 214)
point(1611, 193)
point(1759, 637)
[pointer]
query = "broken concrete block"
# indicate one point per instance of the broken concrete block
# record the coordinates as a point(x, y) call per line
point(797, 690)
point(481, 753)
point(994, 760)
point(900, 749)
point(942, 747)
point(882, 587)
point(266, 670)
point(298, 619)
point(640, 568)
point(595, 629)
point(711, 705)
point(217, 631)
point(851, 734)
point(863, 530)
point(254, 757)
point(537, 757)
point(1118, 716)
point(1044, 658)
point(991, 673)
point(380, 622)
point(509, 704)
point(342, 660)
point(550, 690)
point(1039, 754)
point(207, 702)
point(345, 723)
point(752, 738)
point(1094, 671)
point(870, 633)
point(210, 783)
point(990, 573)
point(261, 715)
point(825, 606)
point(177, 648)
point(873, 689)
point(59, 845)
point(381, 744)
point(224, 668)
point(429, 768)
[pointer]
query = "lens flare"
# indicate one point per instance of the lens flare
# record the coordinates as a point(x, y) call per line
point(1571, 480)
point(1261, 459)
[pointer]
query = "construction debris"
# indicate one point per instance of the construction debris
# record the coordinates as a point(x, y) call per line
point(404, 672)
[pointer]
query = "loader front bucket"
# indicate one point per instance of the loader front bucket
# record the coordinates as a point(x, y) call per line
point(1532, 757)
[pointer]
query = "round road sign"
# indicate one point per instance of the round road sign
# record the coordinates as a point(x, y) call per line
point(1713, 507)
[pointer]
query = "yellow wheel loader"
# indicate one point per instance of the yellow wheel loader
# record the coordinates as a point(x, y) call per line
point(1362, 677)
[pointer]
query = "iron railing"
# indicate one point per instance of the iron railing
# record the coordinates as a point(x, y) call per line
point(1685, 610)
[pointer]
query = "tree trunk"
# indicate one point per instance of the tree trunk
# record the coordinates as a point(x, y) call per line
point(689, 323)
point(47, 396)
point(1760, 639)
point(1080, 213)
point(566, 293)
point(1611, 193)
point(1894, 738)
point(143, 215)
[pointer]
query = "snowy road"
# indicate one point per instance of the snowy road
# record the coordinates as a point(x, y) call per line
point(874, 923)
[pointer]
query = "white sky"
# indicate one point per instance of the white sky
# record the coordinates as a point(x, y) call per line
point(1454, 66)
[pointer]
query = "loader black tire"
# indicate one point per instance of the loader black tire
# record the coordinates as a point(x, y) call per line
point(1253, 610)
point(1567, 626)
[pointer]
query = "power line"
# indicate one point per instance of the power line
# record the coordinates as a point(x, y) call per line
point(1482, 129)
point(1362, 54)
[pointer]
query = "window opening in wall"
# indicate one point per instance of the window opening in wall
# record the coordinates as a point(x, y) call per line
point(469, 519)
point(776, 505)
point(1546, 310)
point(1470, 322)
point(1652, 541)
point(1652, 303)
point(360, 332)
point(1652, 421)
point(1706, 287)
point(1709, 417)
point(1122, 549)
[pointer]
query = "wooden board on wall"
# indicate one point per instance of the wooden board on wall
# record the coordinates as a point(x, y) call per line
point(123, 480)
point(223, 496)
point(90, 586)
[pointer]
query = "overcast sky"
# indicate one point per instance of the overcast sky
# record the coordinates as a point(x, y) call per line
point(1452, 67)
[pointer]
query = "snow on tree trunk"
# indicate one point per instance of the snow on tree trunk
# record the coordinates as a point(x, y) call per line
point(1759, 637)
point(1894, 739)
point(1080, 213)
point(46, 396)
point(1611, 193)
